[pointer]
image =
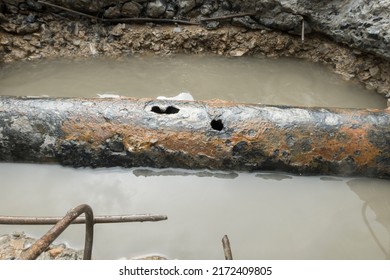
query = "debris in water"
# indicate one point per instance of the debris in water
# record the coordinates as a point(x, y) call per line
point(180, 96)
point(109, 95)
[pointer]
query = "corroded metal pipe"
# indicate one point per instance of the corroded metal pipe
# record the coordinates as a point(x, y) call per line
point(217, 135)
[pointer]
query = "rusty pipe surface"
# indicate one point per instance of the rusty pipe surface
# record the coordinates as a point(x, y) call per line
point(213, 134)
point(44, 242)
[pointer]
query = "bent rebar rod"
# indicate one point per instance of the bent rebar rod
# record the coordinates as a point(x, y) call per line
point(19, 220)
point(44, 242)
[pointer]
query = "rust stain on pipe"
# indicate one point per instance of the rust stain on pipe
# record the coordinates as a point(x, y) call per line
point(201, 134)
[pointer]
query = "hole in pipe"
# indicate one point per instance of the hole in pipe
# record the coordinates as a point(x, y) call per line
point(169, 110)
point(216, 125)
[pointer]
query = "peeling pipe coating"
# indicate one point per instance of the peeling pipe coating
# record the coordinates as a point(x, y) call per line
point(217, 135)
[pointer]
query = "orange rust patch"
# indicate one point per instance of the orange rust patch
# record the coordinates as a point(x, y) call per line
point(136, 139)
point(87, 131)
point(333, 145)
point(345, 142)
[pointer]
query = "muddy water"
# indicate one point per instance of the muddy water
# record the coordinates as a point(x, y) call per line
point(266, 215)
point(282, 81)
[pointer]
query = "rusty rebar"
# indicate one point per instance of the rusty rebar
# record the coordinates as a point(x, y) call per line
point(154, 20)
point(227, 17)
point(227, 250)
point(44, 242)
point(68, 10)
point(19, 220)
point(119, 20)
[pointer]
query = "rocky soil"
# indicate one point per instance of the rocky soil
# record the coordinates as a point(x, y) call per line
point(364, 24)
point(11, 246)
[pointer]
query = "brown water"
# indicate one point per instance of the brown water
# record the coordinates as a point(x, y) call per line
point(254, 80)
point(266, 215)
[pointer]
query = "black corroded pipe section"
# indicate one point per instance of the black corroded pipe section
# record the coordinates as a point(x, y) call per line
point(216, 135)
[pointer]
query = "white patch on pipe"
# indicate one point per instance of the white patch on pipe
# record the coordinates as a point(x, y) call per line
point(332, 120)
point(22, 124)
point(180, 96)
point(49, 140)
point(38, 96)
point(293, 115)
point(109, 95)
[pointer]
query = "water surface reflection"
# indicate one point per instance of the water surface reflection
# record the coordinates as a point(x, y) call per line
point(266, 215)
point(245, 79)
point(376, 197)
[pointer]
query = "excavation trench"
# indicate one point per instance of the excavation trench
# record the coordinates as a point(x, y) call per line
point(227, 137)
